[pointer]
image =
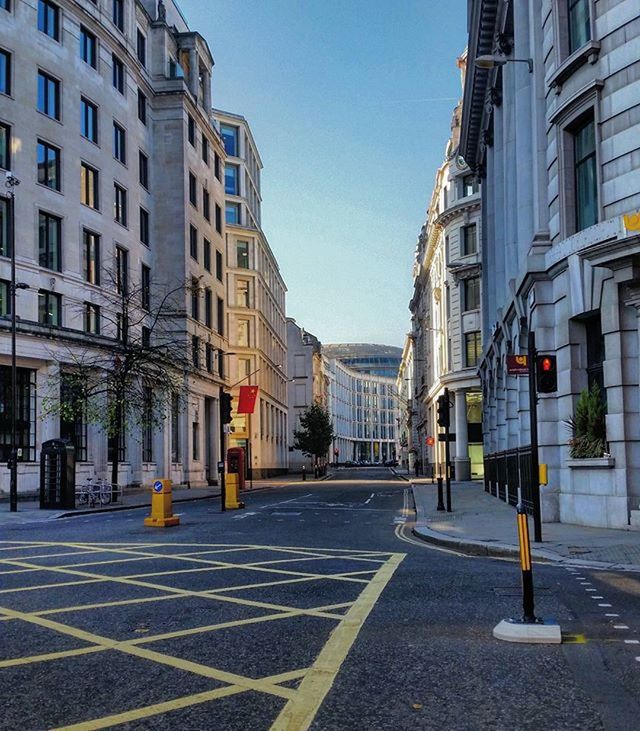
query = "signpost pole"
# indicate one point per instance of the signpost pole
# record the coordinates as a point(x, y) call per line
point(447, 454)
point(533, 417)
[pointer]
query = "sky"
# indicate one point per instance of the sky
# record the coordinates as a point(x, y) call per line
point(350, 104)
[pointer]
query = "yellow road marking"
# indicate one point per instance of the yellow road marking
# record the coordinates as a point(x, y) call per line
point(52, 586)
point(50, 656)
point(300, 711)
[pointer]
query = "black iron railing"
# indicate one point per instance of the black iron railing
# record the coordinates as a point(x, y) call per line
point(506, 472)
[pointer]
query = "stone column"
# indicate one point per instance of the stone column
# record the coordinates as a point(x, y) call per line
point(193, 72)
point(461, 460)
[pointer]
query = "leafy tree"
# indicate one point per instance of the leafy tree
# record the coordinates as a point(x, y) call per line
point(316, 433)
point(130, 374)
point(588, 425)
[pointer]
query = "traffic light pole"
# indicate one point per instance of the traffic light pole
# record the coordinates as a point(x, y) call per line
point(533, 416)
point(223, 446)
point(447, 453)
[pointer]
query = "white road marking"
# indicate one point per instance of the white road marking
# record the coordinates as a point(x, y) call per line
point(244, 515)
point(632, 642)
point(283, 502)
point(620, 626)
point(604, 605)
point(611, 615)
point(591, 590)
point(287, 514)
point(368, 500)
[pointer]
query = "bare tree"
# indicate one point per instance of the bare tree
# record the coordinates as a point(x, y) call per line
point(132, 369)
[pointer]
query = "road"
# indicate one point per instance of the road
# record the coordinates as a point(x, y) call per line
point(313, 608)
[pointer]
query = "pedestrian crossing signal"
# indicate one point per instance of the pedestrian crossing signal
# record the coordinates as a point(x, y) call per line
point(546, 374)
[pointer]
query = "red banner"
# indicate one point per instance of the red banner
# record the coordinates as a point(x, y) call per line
point(517, 365)
point(247, 399)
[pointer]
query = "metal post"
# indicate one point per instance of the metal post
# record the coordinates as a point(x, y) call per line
point(223, 447)
point(525, 564)
point(533, 416)
point(13, 456)
point(440, 497)
point(447, 455)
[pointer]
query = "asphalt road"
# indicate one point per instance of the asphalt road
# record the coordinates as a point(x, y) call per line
point(312, 608)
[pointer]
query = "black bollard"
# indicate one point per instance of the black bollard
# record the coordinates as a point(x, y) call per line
point(304, 473)
point(525, 564)
point(440, 500)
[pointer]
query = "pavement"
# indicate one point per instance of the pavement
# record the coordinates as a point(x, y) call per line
point(29, 507)
point(481, 524)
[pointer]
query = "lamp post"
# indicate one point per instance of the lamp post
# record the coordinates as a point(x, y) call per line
point(11, 183)
point(490, 61)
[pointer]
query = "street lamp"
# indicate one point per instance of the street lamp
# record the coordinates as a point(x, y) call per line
point(11, 182)
point(490, 61)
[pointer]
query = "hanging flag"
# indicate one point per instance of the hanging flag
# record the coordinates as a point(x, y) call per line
point(247, 399)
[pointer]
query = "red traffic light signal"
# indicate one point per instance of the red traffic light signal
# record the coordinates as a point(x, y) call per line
point(546, 374)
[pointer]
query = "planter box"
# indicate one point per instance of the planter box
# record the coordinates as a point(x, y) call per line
point(591, 463)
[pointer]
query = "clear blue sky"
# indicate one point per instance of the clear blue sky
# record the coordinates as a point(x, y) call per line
point(350, 103)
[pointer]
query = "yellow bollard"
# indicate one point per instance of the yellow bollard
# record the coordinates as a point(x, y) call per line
point(231, 492)
point(161, 511)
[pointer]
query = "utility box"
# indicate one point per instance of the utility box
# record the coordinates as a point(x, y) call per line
point(57, 475)
point(235, 478)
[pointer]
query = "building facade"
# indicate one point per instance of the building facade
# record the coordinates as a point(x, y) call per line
point(306, 384)
point(256, 320)
point(405, 387)
point(105, 120)
point(556, 142)
point(446, 316)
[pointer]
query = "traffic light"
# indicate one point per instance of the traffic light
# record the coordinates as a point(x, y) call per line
point(443, 411)
point(225, 407)
point(546, 374)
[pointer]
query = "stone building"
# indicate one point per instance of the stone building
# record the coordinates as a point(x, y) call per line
point(551, 124)
point(255, 305)
point(446, 315)
point(105, 118)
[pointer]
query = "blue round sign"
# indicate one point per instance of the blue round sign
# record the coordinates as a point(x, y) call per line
point(157, 486)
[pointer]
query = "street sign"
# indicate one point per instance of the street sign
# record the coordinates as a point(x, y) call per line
point(517, 365)
point(443, 437)
point(157, 486)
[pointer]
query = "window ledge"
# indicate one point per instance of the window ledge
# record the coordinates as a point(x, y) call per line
point(589, 52)
point(591, 463)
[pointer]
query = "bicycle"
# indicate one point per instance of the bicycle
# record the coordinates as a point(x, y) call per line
point(91, 493)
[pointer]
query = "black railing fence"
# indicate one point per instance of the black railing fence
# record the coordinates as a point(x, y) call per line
point(505, 472)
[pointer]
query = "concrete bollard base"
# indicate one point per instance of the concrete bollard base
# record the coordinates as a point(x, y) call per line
point(541, 632)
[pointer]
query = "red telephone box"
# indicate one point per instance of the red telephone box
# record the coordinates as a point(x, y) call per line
point(235, 465)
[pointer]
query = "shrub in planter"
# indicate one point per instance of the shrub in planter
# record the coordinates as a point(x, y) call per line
point(588, 425)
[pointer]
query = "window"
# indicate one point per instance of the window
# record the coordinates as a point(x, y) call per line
point(117, 14)
point(141, 47)
point(579, 24)
point(122, 270)
point(50, 241)
point(91, 318)
point(193, 194)
point(243, 333)
point(221, 364)
point(195, 299)
point(468, 186)
point(5, 298)
point(26, 414)
point(191, 130)
point(117, 77)
point(471, 293)
point(205, 149)
point(219, 266)
point(89, 186)
point(5, 72)
point(206, 204)
point(595, 343)
point(469, 239)
point(206, 248)
point(4, 227)
point(175, 427)
point(232, 213)
point(147, 424)
point(208, 307)
point(91, 256)
point(48, 94)
point(119, 204)
point(88, 120)
point(195, 351)
point(193, 242)
point(242, 254)
point(73, 425)
point(208, 357)
point(231, 176)
point(142, 107)
point(216, 165)
point(218, 219)
point(472, 348)
point(195, 440)
point(49, 308)
point(119, 143)
point(5, 5)
point(242, 293)
point(48, 165)
point(121, 445)
point(49, 19)
point(143, 170)
point(5, 146)
point(586, 180)
point(220, 317)
point(145, 287)
point(144, 226)
point(88, 47)
point(230, 139)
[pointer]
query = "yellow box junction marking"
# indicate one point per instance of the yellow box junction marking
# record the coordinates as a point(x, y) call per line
point(302, 703)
